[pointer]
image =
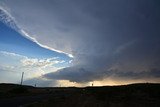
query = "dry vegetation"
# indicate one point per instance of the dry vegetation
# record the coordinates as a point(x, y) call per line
point(135, 95)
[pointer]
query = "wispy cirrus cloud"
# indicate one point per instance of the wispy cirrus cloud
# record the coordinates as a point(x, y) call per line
point(7, 18)
point(10, 21)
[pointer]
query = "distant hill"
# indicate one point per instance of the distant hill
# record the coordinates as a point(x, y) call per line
point(133, 95)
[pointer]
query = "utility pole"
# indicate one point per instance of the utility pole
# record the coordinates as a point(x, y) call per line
point(92, 84)
point(22, 78)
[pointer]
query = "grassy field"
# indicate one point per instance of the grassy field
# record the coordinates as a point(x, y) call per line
point(133, 95)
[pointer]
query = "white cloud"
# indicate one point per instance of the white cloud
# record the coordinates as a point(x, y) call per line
point(34, 62)
point(14, 64)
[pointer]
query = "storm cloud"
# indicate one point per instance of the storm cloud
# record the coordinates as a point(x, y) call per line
point(108, 38)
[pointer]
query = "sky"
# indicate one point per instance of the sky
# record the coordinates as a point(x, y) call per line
point(79, 42)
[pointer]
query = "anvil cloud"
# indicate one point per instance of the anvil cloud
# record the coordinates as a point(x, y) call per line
point(118, 39)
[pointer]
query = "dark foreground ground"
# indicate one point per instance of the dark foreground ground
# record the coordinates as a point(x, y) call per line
point(134, 95)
